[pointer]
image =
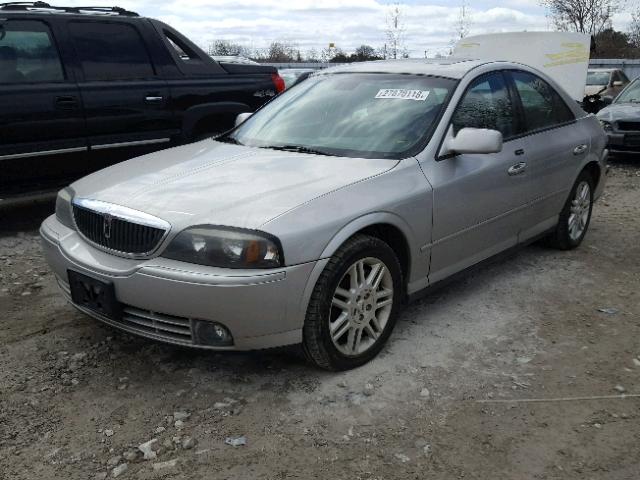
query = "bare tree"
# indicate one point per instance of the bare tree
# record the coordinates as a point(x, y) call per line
point(283, 52)
point(462, 26)
point(395, 32)
point(634, 29)
point(463, 22)
point(583, 16)
point(226, 47)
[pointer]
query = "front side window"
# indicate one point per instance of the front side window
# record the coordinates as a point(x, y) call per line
point(110, 51)
point(28, 54)
point(486, 104)
point(353, 115)
point(622, 77)
point(543, 107)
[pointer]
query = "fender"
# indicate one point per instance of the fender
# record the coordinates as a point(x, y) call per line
point(369, 220)
point(194, 114)
point(344, 234)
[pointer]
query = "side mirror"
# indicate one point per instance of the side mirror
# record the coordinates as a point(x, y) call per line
point(473, 140)
point(618, 83)
point(242, 117)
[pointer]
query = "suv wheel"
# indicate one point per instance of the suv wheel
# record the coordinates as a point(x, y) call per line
point(353, 307)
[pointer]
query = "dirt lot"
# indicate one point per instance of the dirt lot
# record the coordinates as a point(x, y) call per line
point(444, 400)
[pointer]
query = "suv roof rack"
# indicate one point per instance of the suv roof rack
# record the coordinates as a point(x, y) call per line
point(35, 6)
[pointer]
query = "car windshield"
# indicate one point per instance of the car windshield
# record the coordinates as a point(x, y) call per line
point(598, 78)
point(351, 115)
point(631, 94)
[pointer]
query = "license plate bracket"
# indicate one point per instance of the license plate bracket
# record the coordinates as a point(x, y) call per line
point(94, 294)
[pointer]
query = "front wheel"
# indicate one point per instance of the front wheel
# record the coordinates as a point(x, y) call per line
point(354, 304)
point(575, 216)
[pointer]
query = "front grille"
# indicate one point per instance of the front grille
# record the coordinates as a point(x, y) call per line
point(168, 327)
point(629, 126)
point(115, 233)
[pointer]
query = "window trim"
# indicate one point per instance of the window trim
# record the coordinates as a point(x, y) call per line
point(517, 119)
point(54, 44)
point(81, 71)
point(524, 132)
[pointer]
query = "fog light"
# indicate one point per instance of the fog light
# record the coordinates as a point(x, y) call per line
point(212, 333)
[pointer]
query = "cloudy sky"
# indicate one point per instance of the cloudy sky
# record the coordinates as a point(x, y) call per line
point(429, 25)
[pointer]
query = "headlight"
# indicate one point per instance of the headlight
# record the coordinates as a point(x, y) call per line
point(226, 247)
point(606, 125)
point(63, 207)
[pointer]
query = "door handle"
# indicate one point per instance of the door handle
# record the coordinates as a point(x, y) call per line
point(153, 99)
point(580, 149)
point(519, 152)
point(517, 169)
point(66, 103)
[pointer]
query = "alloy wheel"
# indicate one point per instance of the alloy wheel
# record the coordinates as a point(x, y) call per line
point(580, 210)
point(361, 306)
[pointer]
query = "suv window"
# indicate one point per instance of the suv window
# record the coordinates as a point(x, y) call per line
point(28, 54)
point(543, 107)
point(486, 104)
point(180, 48)
point(110, 51)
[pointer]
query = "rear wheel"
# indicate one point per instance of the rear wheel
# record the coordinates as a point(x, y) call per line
point(575, 216)
point(354, 304)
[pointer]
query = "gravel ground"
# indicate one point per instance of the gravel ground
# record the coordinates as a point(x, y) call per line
point(448, 398)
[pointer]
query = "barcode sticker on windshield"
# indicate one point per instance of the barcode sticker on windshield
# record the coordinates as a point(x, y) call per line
point(403, 94)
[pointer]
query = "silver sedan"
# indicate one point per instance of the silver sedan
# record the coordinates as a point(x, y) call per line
point(316, 218)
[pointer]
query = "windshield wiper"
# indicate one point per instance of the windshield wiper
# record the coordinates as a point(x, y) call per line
point(298, 148)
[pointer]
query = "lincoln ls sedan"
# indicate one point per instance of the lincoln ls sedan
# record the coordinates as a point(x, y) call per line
point(316, 218)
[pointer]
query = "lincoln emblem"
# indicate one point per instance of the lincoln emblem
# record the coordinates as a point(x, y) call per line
point(106, 225)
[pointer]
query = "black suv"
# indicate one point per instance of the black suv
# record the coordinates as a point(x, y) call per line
point(84, 87)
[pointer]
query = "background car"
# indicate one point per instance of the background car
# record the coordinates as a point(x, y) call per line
point(607, 82)
point(81, 88)
point(621, 120)
point(316, 218)
point(292, 75)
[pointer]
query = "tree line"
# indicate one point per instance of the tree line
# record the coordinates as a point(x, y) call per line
point(285, 52)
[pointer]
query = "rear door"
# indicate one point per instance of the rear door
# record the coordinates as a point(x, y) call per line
point(125, 99)
point(555, 148)
point(40, 108)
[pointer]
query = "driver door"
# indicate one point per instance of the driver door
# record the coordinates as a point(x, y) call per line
point(478, 198)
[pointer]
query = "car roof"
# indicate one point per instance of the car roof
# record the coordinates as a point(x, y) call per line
point(450, 67)
point(42, 8)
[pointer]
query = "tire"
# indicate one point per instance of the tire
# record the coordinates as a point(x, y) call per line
point(568, 234)
point(342, 304)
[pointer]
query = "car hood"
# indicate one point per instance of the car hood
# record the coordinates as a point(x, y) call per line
point(620, 111)
point(222, 184)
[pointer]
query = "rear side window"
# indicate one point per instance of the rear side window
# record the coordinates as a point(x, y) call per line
point(181, 49)
point(110, 51)
point(28, 53)
point(486, 104)
point(543, 107)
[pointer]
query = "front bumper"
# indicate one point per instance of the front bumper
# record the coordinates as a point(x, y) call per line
point(163, 298)
point(620, 143)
